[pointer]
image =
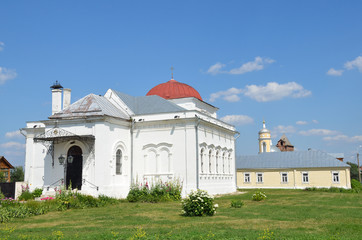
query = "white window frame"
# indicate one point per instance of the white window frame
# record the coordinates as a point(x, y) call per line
point(282, 179)
point(247, 177)
point(338, 176)
point(202, 162)
point(119, 162)
point(303, 177)
point(257, 177)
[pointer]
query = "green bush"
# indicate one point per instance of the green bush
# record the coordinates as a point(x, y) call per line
point(356, 185)
point(105, 200)
point(259, 196)
point(65, 199)
point(199, 203)
point(8, 202)
point(237, 203)
point(157, 192)
point(354, 189)
point(1, 195)
point(37, 192)
point(138, 194)
point(25, 196)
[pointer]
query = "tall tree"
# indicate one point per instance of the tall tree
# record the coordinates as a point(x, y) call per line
point(354, 170)
point(2, 177)
point(17, 174)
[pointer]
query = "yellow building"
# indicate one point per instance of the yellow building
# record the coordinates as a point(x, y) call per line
point(292, 170)
point(265, 142)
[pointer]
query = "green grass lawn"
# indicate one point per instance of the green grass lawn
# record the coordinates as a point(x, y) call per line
point(288, 214)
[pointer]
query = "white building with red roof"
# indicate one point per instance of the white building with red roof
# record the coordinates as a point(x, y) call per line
point(103, 144)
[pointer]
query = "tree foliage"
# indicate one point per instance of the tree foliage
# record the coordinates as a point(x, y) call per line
point(354, 170)
point(17, 174)
point(2, 177)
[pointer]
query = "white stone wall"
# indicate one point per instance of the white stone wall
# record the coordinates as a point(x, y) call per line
point(162, 149)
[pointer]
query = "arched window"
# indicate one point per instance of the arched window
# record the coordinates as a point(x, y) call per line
point(264, 147)
point(217, 162)
point(119, 162)
point(229, 162)
point(210, 162)
point(223, 162)
point(202, 160)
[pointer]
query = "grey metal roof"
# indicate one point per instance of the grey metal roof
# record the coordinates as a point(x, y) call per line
point(297, 159)
point(149, 104)
point(90, 105)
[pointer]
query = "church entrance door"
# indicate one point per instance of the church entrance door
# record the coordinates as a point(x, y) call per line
point(74, 169)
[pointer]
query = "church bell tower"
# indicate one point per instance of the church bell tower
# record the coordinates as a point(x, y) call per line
point(264, 139)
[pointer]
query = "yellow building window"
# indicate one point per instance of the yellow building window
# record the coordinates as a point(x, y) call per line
point(259, 177)
point(305, 177)
point(335, 177)
point(246, 177)
point(284, 177)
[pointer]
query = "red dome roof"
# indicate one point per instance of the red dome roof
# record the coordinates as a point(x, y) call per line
point(173, 89)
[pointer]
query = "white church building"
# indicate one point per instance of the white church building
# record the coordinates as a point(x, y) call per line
point(103, 144)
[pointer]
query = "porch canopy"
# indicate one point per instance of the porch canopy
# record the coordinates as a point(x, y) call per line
point(59, 135)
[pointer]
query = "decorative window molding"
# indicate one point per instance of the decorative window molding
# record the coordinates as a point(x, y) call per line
point(210, 161)
point(119, 162)
point(223, 162)
point(229, 162)
point(217, 158)
point(151, 145)
point(158, 159)
point(202, 160)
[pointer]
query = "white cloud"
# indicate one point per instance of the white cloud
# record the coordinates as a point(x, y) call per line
point(14, 153)
point(306, 122)
point(334, 72)
point(318, 132)
point(14, 134)
point(230, 95)
point(280, 129)
point(271, 92)
point(274, 91)
point(237, 119)
point(356, 63)
point(343, 138)
point(6, 74)
point(1, 46)
point(13, 145)
point(216, 68)
point(256, 65)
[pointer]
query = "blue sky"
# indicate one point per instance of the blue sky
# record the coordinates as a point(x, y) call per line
point(297, 64)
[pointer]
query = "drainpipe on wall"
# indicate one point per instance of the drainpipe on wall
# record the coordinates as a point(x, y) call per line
point(294, 178)
point(132, 127)
point(236, 180)
point(197, 151)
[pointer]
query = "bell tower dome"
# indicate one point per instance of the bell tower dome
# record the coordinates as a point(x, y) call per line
point(264, 139)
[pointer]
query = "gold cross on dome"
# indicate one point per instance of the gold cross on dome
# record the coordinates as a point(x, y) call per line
point(172, 72)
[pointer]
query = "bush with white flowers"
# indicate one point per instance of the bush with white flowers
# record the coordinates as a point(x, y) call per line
point(199, 203)
point(259, 196)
